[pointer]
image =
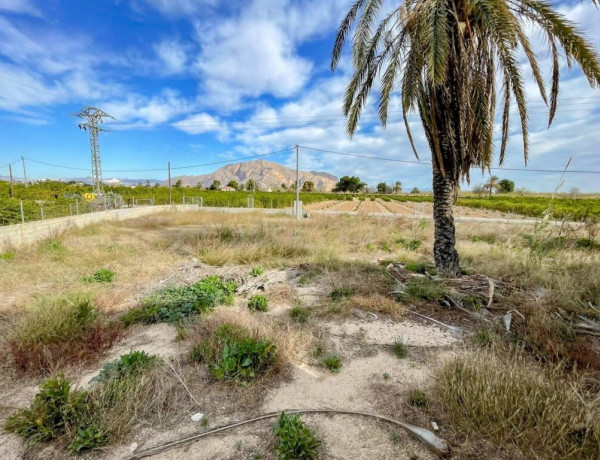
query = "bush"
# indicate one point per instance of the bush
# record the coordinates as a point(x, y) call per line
point(7, 256)
point(421, 268)
point(59, 331)
point(332, 362)
point(257, 271)
point(295, 441)
point(233, 354)
point(258, 303)
point(175, 303)
point(104, 275)
point(300, 314)
point(55, 411)
point(514, 401)
point(484, 338)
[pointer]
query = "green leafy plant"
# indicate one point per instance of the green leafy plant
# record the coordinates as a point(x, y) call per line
point(340, 294)
point(88, 438)
point(420, 268)
point(300, 314)
point(400, 349)
point(176, 303)
point(55, 410)
point(104, 275)
point(332, 362)
point(232, 353)
point(128, 365)
point(257, 271)
point(295, 440)
point(258, 303)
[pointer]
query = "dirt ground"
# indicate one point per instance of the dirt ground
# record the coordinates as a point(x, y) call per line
point(362, 343)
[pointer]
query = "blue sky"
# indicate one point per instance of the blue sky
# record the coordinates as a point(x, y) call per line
point(193, 82)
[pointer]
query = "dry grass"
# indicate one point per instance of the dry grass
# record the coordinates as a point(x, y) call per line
point(511, 400)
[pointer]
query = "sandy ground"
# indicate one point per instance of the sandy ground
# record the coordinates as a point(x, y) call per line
point(364, 346)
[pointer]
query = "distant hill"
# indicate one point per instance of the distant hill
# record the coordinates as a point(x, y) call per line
point(266, 174)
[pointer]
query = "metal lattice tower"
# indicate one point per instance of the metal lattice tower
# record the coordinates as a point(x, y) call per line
point(94, 117)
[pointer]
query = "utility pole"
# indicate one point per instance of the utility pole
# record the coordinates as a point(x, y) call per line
point(24, 172)
point(298, 211)
point(94, 117)
point(12, 186)
point(170, 196)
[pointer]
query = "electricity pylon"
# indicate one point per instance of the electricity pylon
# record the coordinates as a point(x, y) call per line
point(94, 117)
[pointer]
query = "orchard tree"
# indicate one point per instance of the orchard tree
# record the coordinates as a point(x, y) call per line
point(233, 184)
point(216, 185)
point(349, 184)
point(308, 186)
point(506, 186)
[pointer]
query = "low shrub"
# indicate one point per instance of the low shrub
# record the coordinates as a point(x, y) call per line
point(295, 440)
point(56, 410)
point(104, 275)
point(300, 314)
point(176, 303)
point(59, 331)
point(420, 268)
point(135, 384)
point(234, 354)
point(258, 303)
point(256, 271)
point(511, 400)
point(333, 363)
point(423, 289)
point(484, 338)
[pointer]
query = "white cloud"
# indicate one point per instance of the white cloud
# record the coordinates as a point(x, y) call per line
point(201, 123)
point(177, 7)
point(156, 109)
point(173, 57)
point(19, 6)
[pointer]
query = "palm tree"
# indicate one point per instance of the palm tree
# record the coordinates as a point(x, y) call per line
point(443, 56)
point(491, 184)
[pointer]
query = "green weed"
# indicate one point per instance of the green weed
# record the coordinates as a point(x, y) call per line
point(411, 245)
point(333, 363)
point(295, 440)
point(484, 338)
point(340, 294)
point(176, 303)
point(424, 289)
point(418, 398)
point(300, 314)
point(258, 303)
point(233, 354)
point(400, 349)
point(256, 271)
point(7, 256)
point(104, 275)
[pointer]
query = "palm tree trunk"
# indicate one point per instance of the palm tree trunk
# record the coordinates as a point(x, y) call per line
point(444, 251)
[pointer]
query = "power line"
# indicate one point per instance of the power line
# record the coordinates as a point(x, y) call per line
point(162, 169)
point(10, 164)
point(429, 163)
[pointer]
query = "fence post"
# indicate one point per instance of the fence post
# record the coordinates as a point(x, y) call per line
point(22, 213)
point(42, 212)
point(77, 207)
point(70, 209)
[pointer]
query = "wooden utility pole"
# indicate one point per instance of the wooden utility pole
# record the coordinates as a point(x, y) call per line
point(12, 186)
point(170, 195)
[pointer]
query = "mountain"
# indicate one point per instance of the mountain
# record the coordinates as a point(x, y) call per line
point(266, 174)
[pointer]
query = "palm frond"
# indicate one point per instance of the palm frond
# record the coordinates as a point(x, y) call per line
point(342, 32)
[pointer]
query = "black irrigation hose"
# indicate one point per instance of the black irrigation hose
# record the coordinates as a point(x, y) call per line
point(437, 445)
